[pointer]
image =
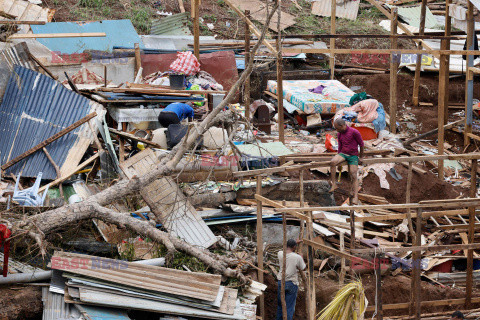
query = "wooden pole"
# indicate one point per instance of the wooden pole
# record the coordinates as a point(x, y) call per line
point(441, 109)
point(284, 267)
point(302, 203)
point(409, 189)
point(417, 257)
point(281, 132)
point(138, 59)
point(469, 78)
point(333, 18)
point(471, 233)
point(196, 29)
point(394, 62)
point(448, 32)
point(312, 304)
point(260, 244)
point(378, 290)
point(416, 84)
point(246, 93)
point(352, 226)
point(341, 278)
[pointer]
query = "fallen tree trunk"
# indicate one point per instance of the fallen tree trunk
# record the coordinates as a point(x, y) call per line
point(93, 207)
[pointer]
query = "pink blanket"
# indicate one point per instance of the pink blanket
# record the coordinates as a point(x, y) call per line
point(366, 110)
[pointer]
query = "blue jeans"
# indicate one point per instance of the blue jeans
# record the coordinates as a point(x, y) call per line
point(291, 291)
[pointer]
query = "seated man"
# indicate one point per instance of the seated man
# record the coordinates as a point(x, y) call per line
point(175, 112)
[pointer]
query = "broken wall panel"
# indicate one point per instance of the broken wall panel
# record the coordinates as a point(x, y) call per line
point(168, 202)
point(34, 108)
point(220, 64)
point(24, 10)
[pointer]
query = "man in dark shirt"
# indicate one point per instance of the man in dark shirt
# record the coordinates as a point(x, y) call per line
point(349, 140)
point(174, 113)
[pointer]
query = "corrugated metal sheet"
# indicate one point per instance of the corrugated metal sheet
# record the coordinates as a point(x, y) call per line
point(172, 25)
point(168, 202)
point(15, 55)
point(120, 33)
point(55, 308)
point(347, 9)
point(34, 108)
point(100, 313)
point(412, 16)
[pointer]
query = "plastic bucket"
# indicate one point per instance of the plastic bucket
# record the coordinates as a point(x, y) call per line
point(177, 81)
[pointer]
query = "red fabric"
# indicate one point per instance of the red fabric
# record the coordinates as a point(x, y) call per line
point(186, 63)
point(5, 234)
point(330, 143)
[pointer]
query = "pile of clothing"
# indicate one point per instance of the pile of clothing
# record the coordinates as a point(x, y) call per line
point(364, 109)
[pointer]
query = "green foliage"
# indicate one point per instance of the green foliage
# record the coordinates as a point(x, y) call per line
point(141, 18)
point(91, 3)
point(221, 3)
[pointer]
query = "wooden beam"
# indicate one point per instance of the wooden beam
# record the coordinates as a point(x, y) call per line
point(448, 203)
point(253, 28)
point(333, 19)
point(56, 35)
point(196, 29)
point(382, 51)
point(246, 92)
point(48, 141)
point(336, 252)
point(414, 36)
point(276, 204)
point(435, 303)
point(281, 120)
point(260, 242)
point(182, 7)
point(416, 82)
point(71, 173)
point(22, 22)
point(471, 233)
point(469, 80)
point(448, 31)
point(417, 263)
point(393, 72)
point(419, 248)
point(138, 59)
point(441, 111)
point(401, 216)
point(134, 137)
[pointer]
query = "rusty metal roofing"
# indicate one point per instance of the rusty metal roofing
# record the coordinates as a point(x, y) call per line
point(34, 108)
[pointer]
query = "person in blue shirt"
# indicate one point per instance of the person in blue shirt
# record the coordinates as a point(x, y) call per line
point(175, 112)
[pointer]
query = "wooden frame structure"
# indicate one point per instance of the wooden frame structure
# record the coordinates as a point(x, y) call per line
point(423, 209)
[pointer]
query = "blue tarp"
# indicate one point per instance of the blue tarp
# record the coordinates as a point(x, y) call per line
point(118, 33)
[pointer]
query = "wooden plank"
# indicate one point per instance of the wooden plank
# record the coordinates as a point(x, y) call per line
point(434, 248)
point(260, 243)
point(56, 35)
point(471, 233)
point(393, 72)
point(49, 140)
point(246, 93)
point(416, 82)
point(138, 60)
point(134, 137)
point(22, 22)
point(401, 216)
point(447, 203)
point(71, 173)
point(382, 51)
point(182, 7)
point(196, 29)
point(468, 80)
point(253, 28)
point(333, 19)
point(435, 303)
point(441, 112)
point(417, 257)
point(336, 252)
point(276, 204)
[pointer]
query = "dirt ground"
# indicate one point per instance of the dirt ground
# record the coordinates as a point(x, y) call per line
point(394, 290)
point(21, 303)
